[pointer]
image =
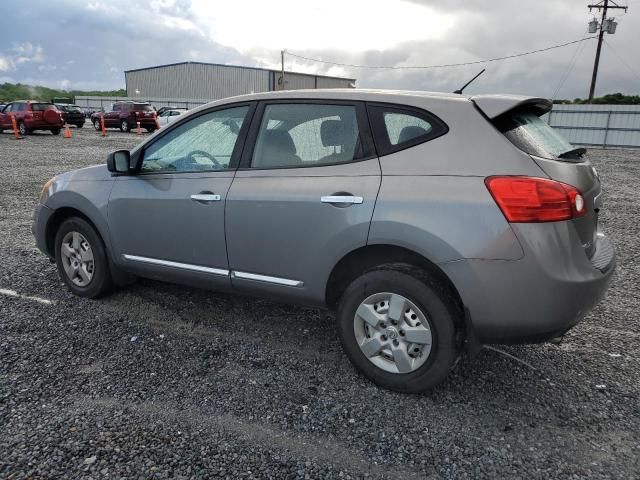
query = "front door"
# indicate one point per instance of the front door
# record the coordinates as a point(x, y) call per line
point(167, 221)
point(302, 199)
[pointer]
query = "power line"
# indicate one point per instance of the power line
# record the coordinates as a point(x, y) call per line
point(622, 59)
point(392, 67)
point(572, 64)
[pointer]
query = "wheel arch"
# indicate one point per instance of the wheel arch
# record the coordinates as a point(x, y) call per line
point(60, 215)
point(368, 257)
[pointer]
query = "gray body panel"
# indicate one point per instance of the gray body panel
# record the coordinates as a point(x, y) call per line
point(519, 282)
point(154, 217)
point(277, 225)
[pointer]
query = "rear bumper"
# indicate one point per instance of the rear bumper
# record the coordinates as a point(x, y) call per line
point(539, 296)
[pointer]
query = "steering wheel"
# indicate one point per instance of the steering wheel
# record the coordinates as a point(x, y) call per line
point(201, 153)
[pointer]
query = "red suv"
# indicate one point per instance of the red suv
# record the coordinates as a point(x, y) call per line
point(32, 115)
point(126, 115)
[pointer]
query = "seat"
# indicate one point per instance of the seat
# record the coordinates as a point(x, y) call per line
point(276, 150)
point(337, 133)
point(409, 133)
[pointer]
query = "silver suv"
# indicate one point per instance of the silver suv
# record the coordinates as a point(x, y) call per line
point(432, 223)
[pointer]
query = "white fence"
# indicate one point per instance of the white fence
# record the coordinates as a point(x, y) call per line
point(605, 126)
point(97, 103)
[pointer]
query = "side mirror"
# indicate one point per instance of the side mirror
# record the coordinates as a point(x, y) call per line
point(119, 161)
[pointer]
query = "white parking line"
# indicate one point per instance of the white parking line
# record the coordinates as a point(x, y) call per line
point(13, 293)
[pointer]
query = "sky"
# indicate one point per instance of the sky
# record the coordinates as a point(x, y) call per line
point(72, 44)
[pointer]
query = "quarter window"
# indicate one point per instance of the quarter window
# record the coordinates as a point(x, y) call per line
point(205, 143)
point(396, 128)
point(300, 135)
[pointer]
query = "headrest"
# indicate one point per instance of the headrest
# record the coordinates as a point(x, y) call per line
point(409, 133)
point(278, 142)
point(333, 134)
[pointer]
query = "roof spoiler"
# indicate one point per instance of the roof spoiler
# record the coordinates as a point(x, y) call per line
point(495, 105)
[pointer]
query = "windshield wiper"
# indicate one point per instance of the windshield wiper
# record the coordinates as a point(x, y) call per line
point(573, 153)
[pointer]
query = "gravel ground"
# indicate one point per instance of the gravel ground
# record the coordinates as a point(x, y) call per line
point(162, 381)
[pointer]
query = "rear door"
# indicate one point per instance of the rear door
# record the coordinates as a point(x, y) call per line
point(5, 116)
point(303, 197)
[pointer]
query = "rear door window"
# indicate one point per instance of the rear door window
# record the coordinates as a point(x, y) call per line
point(304, 135)
point(41, 107)
point(396, 128)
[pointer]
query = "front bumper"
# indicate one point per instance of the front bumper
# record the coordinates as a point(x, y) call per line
point(41, 216)
point(539, 296)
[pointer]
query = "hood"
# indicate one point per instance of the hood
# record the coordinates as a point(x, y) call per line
point(495, 105)
point(94, 173)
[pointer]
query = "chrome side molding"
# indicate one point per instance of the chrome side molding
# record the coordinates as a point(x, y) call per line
point(184, 266)
point(267, 278)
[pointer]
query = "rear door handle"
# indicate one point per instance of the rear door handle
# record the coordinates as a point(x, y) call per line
point(205, 197)
point(341, 199)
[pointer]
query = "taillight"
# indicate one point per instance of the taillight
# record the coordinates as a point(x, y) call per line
point(532, 199)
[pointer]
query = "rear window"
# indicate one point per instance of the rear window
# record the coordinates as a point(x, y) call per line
point(142, 107)
point(41, 107)
point(532, 135)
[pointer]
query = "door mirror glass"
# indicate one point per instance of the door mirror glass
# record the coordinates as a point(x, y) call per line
point(119, 162)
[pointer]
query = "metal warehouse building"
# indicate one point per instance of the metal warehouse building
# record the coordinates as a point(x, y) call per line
point(213, 81)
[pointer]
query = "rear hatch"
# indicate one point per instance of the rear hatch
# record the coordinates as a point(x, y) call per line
point(520, 122)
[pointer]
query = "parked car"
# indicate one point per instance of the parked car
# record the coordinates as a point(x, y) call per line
point(31, 115)
point(126, 115)
point(161, 110)
point(71, 114)
point(169, 115)
point(431, 223)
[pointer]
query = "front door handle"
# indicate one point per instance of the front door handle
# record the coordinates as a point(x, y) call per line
point(205, 197)
point(350, 199)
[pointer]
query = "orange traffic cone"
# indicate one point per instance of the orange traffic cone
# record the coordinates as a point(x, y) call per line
point(67, 132)
point(138, 131)
point(15, 128)
point(104, 130)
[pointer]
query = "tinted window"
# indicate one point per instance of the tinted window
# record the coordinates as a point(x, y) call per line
point(142, 107)
point(532, 135)
point(205, 143)
point(396, 128)
point(298, 135)
point(8, 108)
point(41, 107)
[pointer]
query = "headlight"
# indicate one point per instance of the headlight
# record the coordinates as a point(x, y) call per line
point(45, 190)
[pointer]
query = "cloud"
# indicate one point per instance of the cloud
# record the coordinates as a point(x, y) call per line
point(97, 41)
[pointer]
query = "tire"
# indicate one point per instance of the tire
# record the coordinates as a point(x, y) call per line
point(100, 281)
point(424, 370)
point(22, 128)
point(79, 125)
point(55, 131)
point(96, 125)
point(151, 129)
point(124, 126)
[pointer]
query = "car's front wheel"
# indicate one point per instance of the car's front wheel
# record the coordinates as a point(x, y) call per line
point(124, 126)
point(96, 125)
point(399, 330)
point(81, 258)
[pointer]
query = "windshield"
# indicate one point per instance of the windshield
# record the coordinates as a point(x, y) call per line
point(40, 107)
point(531, 134)
point(142, 107)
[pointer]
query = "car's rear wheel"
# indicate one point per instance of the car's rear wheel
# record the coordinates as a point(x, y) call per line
point(96, 125)
point(55, 131)
point(81, 259)
point(22, 128)
point(124, 126)
point(399, 331)
point(151, 129)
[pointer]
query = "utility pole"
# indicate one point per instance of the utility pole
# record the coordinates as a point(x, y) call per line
point(282, 63)
point(607, 25)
